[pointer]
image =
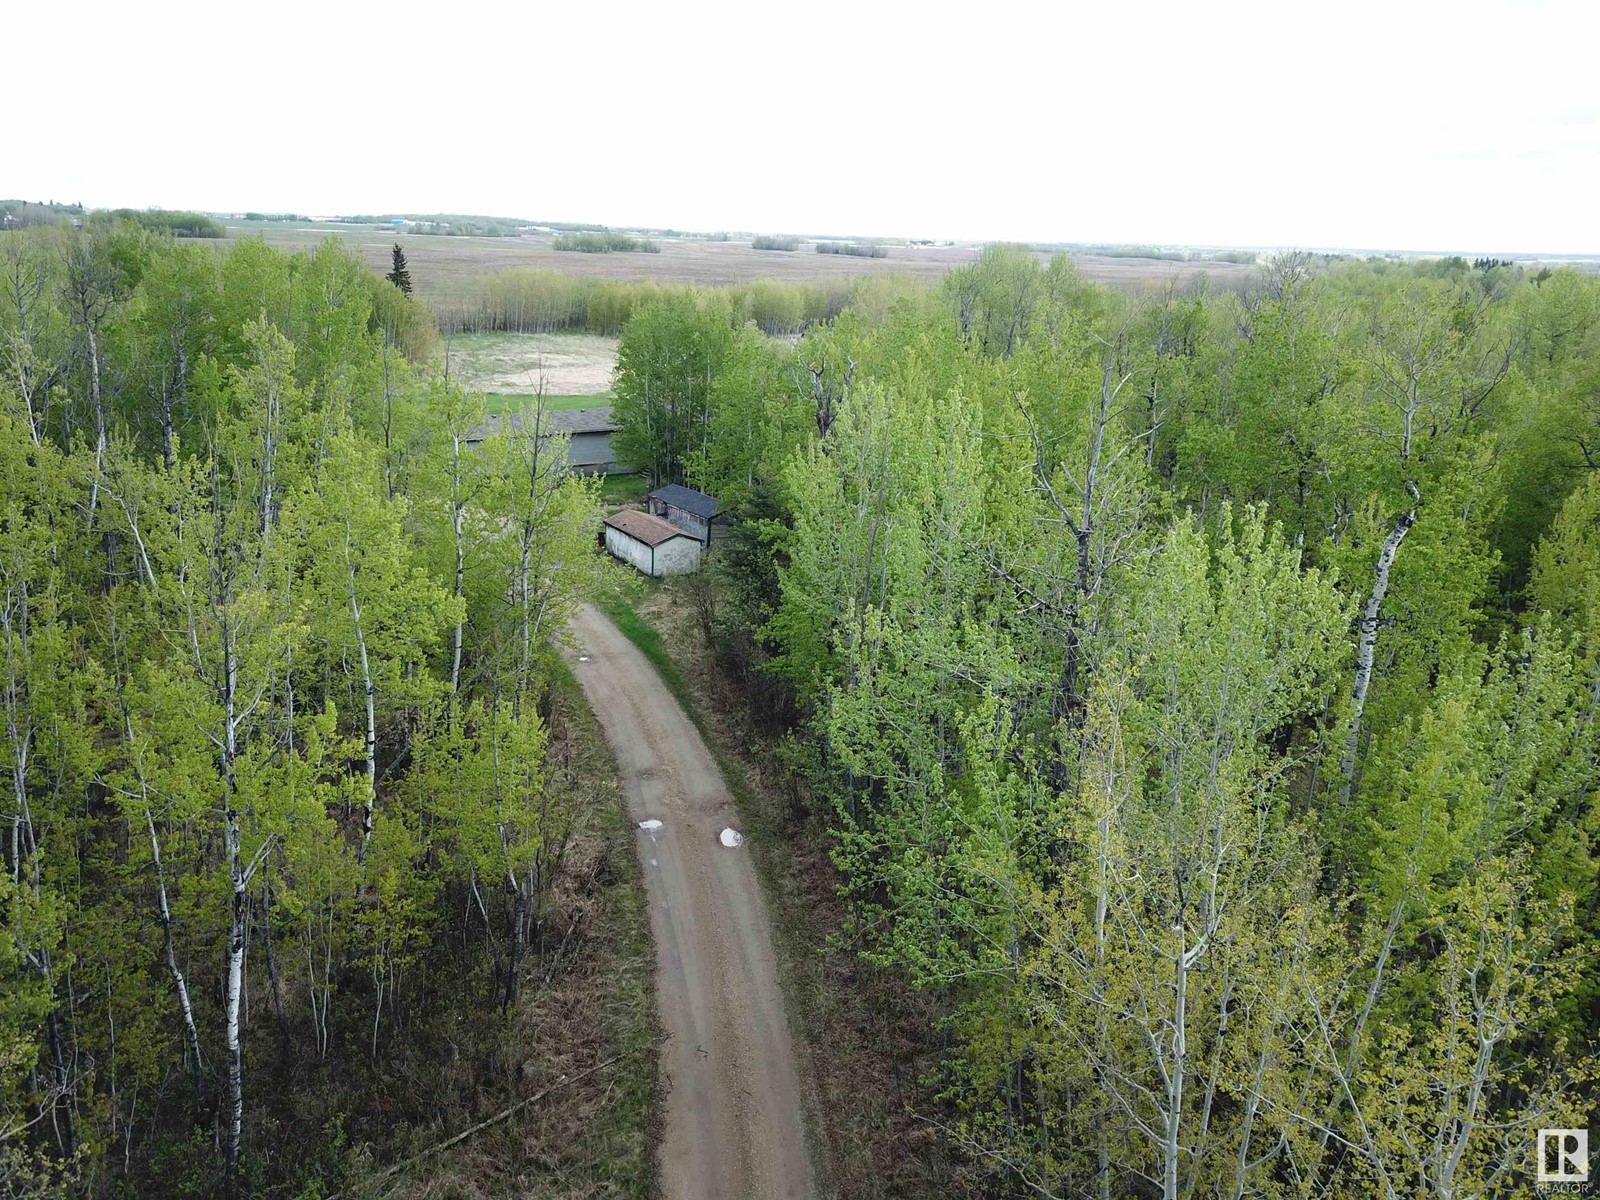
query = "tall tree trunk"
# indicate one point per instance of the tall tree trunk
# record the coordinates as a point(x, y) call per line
point(62, 1102)
point(99, 416)
point(272, 960)
point(388, 423)
point(239, 878)
point(21, 280)
point(21, 731)
point(519, 921)
point(269, 463)
point(168, 450)
point(370, 691)
point(456, 513)
point(236, 944)
point(1367, 643)
point(179, 983)
point(1176, 1073)
point(1102, 905)
point(172, 391)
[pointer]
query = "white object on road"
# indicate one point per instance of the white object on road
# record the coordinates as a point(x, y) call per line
point(731, 837)
point(650, 826)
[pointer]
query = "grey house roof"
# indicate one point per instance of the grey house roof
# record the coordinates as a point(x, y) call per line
point(689, 500)
point(573, 420)
point(582, 420)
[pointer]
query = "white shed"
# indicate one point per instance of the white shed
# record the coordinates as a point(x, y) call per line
point(652, 545)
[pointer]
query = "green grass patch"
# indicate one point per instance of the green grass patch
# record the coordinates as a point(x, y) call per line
point(496, 402)
point(469, 343)
point(617, 605)
point(617, 490)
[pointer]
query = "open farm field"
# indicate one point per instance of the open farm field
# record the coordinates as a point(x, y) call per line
point(445, 268)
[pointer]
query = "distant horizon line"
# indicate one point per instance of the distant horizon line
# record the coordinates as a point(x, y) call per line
point(1036, 245)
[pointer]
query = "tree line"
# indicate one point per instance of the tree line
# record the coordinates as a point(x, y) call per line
point(1201, 690)
point(854, 249)
point(15, 214)
point(530, 300)
point(274, 671)
point(607, 242)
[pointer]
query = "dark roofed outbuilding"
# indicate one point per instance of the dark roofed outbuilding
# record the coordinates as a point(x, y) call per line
point(691, 511)
point(589, 432)
point(678, 496)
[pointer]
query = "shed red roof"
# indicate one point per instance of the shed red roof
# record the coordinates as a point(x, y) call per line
point(643, 527)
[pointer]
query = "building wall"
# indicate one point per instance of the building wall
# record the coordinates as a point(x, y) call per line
point(629, 550)
point(680, 556)
point(587, 453)
point(691, 524)
point(676, 557)
point(592, 454)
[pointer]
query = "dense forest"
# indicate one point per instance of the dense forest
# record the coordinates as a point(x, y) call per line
point(285, 803)
point(1202, 692)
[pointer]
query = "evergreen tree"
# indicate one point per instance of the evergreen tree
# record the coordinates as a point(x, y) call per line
point(399, 274)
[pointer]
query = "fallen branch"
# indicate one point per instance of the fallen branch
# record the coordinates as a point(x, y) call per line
point(389, 1172)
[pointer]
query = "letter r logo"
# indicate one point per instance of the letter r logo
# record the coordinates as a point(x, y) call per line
point(1563, 1156)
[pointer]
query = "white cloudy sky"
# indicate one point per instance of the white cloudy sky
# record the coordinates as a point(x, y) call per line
point(1405, 124)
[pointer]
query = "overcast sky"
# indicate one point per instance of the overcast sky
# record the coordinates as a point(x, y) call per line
point(1472, 125)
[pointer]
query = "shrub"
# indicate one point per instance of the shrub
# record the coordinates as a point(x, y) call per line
point(854, 249)
point(605, 243)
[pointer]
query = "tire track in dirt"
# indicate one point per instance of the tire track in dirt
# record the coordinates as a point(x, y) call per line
point(734, 1125)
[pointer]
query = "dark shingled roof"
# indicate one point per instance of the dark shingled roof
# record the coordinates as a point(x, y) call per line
point(691, 501)
point(643, 527)
point(570, 420)
point(581, 420)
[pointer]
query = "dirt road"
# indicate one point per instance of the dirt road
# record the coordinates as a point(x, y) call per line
point(733, 1105)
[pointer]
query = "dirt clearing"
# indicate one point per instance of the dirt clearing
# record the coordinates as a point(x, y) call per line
point(571, 364)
